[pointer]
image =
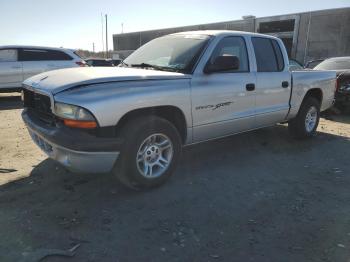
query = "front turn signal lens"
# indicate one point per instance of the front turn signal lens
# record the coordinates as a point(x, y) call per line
point(79, 123)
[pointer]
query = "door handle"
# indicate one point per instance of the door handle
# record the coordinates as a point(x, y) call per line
point(285, 84)
point(250, 87)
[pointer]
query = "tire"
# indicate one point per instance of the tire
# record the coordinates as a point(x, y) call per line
point(304, 125)
point(156, 142)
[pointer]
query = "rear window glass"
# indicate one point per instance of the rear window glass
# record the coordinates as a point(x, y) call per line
point(8, 55)
point(98, 63)
point(268, 55)
point(42, 55)
point(278, 53)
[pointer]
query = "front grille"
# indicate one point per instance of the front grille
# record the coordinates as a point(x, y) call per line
point(40, 105)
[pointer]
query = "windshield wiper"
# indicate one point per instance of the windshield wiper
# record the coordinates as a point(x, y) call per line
point(122, 64)
point(161, 68)
point(144, 65)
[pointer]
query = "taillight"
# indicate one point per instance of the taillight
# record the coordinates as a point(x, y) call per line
point(81, 63)
point(337, 84)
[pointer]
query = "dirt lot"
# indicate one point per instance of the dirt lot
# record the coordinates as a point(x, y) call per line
point(260, 196)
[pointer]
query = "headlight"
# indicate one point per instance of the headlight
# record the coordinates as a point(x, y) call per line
point(73, 112)
point(75, 116)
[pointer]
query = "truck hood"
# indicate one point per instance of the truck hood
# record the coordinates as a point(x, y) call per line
point(59, 80)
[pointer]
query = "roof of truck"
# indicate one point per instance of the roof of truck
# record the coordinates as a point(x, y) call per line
point(221, 32)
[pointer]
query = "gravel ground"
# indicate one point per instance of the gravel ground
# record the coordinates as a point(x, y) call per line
point(260, 196)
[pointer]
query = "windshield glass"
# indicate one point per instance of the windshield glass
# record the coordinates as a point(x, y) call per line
point(334, 64)
point(169, 53)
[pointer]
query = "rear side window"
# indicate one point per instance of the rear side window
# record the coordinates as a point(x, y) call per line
point(42, 55)
point(8, 55)
point(278, 53)
point(268, 55)
point(233, 46)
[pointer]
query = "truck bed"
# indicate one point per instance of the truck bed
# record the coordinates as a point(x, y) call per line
point(302, 81)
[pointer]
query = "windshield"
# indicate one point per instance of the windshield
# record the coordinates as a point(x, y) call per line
point(334, 64)
point(170, 53)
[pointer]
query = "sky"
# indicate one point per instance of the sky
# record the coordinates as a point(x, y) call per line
point(77, 23)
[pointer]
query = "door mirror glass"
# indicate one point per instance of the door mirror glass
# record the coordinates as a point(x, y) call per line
point(222, 63)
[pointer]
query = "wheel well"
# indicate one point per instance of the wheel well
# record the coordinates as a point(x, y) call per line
point(315, 93)
point(171, 113)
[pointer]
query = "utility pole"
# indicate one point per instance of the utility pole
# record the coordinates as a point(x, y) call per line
point(93, 47)
point(122, 28)
point(307, 39)
point(106, 37)
point(103, 45)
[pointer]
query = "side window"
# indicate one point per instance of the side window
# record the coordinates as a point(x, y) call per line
point(278, 52)
point(58, 55)
point(233, 46)
point(8, 55)
point(32, 55)
point(268, 55)
point(42, 55)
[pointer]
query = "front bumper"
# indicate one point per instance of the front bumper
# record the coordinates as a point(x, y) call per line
point(77, 151)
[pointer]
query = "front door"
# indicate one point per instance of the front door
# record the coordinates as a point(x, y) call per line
point(221, 102)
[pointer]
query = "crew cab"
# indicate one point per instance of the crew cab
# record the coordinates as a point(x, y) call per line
point(177, 90)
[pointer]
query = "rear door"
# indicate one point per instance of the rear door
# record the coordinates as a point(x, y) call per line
point(36, 61)
point(10, 69)
point(273, 82)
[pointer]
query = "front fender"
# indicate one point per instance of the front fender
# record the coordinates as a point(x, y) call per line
point(109, 102)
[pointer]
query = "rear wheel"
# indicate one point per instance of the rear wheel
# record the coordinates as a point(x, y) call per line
point(152, 146)
point(304, 125)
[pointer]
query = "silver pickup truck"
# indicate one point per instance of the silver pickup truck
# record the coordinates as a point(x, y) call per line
point(176, 90)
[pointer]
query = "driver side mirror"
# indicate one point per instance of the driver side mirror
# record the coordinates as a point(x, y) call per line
point(222, 64)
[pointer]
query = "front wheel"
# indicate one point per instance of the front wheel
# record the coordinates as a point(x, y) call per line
point(152, 146)
point(304, 125)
